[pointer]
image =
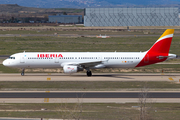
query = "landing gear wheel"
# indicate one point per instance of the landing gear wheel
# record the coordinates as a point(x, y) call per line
point(89, 73)
point(22, 74)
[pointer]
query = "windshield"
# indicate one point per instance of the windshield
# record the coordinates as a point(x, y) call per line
point(11, 58)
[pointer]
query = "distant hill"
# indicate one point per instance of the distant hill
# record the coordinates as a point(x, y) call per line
point(85, 3)
point(14, 8)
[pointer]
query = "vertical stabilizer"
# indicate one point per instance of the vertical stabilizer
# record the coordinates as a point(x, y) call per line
point(159, 51)
point(162, 45)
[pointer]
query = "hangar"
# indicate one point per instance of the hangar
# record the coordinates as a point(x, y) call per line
point(167, 16)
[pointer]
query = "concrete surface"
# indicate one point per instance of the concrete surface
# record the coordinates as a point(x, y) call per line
point(96, 77)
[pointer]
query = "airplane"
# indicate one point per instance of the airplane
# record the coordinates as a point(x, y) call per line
point(73, 62)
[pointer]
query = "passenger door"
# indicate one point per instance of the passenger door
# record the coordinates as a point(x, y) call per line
point(99, 58)
point(56, 60)
point(22, 58)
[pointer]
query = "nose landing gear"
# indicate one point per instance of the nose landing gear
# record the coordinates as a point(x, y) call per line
point(22, 73)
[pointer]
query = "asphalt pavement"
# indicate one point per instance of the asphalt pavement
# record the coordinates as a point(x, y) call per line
point(88, 95)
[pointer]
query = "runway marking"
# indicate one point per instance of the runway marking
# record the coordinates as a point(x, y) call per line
point(171, 78)
point(46, 99)
point(48, 78)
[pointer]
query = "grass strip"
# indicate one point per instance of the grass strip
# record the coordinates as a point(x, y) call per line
point(11, 45)
point(155, 111)
point(84, 85)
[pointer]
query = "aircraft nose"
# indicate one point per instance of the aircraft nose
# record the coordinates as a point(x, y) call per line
point(5, 63)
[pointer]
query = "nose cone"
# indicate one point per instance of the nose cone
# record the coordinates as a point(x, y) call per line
point(5, 63)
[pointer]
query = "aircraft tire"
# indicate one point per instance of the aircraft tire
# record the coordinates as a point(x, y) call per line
point(89, 73)
point(22, 74)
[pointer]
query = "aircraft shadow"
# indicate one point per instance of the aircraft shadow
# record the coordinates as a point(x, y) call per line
point(75, 75)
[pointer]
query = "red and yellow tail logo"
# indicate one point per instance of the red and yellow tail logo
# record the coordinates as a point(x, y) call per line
point(160, 48)
point(162, 45)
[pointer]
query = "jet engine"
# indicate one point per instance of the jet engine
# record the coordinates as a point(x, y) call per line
point(71, 69)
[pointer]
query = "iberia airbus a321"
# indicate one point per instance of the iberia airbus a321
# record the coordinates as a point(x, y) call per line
point(72, 62)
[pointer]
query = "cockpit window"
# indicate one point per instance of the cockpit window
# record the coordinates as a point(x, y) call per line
point(11, 57)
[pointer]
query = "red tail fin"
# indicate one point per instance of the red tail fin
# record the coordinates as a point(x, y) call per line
point(162, 45)
point(160, 49)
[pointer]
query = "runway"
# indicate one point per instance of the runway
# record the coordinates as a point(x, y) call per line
point(4, 56)
point(77, 35)
point(96, 77)
point(87, 94)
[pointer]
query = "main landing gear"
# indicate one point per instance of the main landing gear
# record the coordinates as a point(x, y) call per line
point(22, 74)
point(89, 73)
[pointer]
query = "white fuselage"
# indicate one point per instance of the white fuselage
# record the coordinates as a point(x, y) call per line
point(51, 59)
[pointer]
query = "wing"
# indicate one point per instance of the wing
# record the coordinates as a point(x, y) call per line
point(87, 64)
point(90, 64)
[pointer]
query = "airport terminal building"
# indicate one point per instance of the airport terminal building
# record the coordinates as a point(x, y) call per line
point(131, 16)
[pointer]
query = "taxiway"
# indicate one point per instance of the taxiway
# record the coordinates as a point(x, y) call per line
point(96, 77)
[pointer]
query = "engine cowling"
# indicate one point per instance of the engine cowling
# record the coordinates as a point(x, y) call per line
point(71, 69)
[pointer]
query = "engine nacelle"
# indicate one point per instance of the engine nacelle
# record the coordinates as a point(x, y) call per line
point(71, 69)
